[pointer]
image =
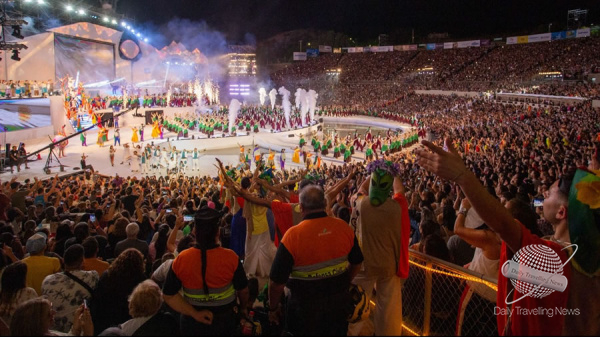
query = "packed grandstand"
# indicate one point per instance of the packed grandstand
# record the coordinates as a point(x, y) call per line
point(467, 161)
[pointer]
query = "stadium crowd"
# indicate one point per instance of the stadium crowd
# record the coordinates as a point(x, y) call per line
point(94, 254)
point(506, 68)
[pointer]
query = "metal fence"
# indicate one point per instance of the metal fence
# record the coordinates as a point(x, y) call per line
point(440, 298)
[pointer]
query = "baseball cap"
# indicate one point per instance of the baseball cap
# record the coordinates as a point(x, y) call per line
point(36, 243)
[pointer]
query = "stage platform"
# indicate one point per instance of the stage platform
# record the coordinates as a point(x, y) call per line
point(225, 148)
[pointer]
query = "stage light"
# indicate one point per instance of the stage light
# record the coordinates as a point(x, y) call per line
point(146, 40)
point(81, 12)
point(105, 19)
point(15, 55)
point(17, 32)
point(138, 35)
point(124, 24)
point(114, 22)
point(132, 30)
point(69, 8)
point(40, 2)
point(28, 1)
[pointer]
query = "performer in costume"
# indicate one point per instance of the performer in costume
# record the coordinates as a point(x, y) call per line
point(134, 136)
point(195, 160)
point(117, 137)
point(100, 141)
point(111, 154)
point(141, 133)
point(296, 155)
point(155, 129)
point(282, 159)
point(82, 136)
point(271, 159)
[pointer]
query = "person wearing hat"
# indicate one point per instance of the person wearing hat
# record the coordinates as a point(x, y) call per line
point(213, 281)
point(38, 265)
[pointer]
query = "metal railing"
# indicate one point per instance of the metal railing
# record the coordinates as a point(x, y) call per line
point(432, 296)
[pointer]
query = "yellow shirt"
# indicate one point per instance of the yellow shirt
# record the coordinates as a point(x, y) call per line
point(38, 267)
point(259, 219)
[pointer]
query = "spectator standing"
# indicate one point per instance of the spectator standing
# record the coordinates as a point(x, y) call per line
point(316, 260)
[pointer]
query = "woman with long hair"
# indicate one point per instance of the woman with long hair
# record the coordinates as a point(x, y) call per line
point(158, 247)
point(14, 291)
point(110, 305)
point(36, 316)
point(111, 152)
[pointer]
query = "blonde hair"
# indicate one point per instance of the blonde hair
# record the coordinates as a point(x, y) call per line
point(145, 300)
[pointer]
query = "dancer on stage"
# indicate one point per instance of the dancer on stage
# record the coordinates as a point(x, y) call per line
point(142, 133)
point(134, 136)
point(271, 159)
point(282, 159)
point(183, 160)
point(144, 159)
point(126, 154)
point(83, 138)
point(117, 137)
point(111, 153)
point(195, 160)
point(296, 156)
point(100, 140)
point(155, 129)
point(135, 162)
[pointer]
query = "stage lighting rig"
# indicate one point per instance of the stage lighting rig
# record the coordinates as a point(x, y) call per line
point(15, 55)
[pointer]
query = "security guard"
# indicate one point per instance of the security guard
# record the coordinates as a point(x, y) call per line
point(316, 260)
point(210, 277)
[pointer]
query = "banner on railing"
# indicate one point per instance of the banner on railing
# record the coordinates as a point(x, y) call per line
point(511, 40)
point(359, 49)
point(571, 34)
point(312, 52)
point(559, 35)
point(324, 49)
point(539, 37)
point(467, 44)
point(430, 46)
point(448, 45)
point(398, 48)
point(412, 47)
point(522, 39)
point(584, 32)
point(299, 56)
point(352, 50)
point(439, 46)
point(337, 50)
point(485, 43)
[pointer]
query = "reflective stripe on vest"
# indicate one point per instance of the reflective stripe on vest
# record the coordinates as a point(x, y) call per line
point(321, 270)
point(215, 297)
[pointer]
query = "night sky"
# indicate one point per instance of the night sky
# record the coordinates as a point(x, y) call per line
point(361, 19)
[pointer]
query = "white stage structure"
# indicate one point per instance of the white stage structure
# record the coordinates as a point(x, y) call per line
point(44, 59)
